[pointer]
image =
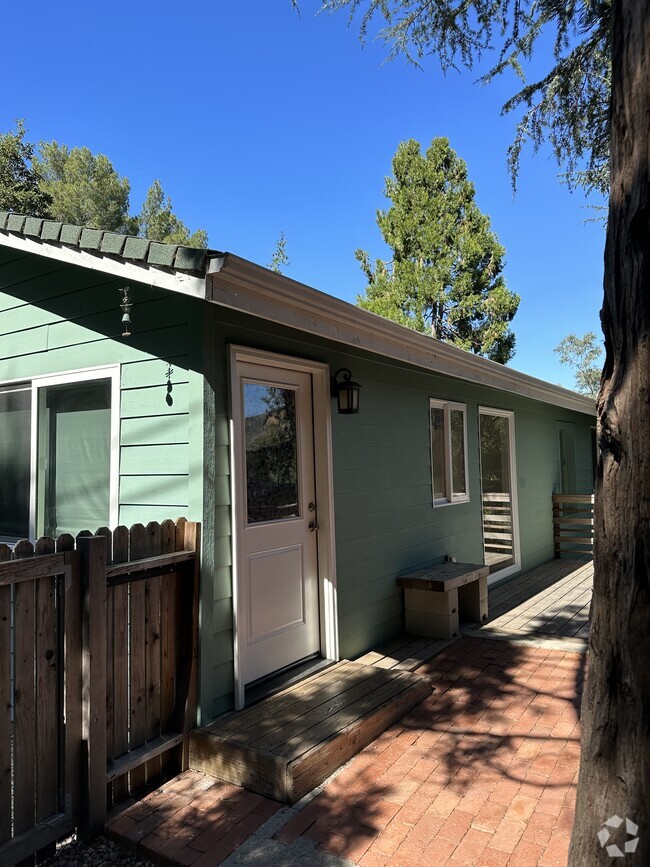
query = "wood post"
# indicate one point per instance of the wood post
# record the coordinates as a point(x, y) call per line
point(187, 698)
point(93, 565)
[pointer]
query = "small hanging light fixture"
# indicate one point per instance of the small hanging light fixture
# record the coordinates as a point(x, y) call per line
point(126, 312)
point(346, 392)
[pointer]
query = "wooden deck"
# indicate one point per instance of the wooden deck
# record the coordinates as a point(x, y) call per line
point(286, 745)
point(552, 601)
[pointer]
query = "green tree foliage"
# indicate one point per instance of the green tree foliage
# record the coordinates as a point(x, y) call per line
point(85, 188)
point(76, 186)
point(20, 180)
point(567, 105)
point(279, 259)
point(583, 355)
point(158, 222)
point(445, 275)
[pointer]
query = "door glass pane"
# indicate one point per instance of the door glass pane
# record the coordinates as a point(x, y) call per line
point(567, 462)
point(496, 492)
point(15, 437)
point(74, 458)
point(457, 425)
point(271, 452)
point(438, 451)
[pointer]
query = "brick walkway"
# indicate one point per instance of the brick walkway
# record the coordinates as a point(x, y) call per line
point(483, 772)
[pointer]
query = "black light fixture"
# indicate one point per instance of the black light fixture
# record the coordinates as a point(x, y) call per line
point(126, 312)
point(346, 392)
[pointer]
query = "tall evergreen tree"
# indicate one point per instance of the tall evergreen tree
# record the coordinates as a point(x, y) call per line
point(85, 188)
point(444, 277)
point(20, 179)
point(158, 222)
point(279, 259)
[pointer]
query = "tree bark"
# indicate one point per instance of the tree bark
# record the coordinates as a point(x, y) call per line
point(615, 763)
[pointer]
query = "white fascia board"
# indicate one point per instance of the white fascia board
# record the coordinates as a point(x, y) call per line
point(176, 281)
point(244, 286)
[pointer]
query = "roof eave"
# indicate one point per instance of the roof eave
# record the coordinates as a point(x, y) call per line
point(178, 281)
point(242, 285)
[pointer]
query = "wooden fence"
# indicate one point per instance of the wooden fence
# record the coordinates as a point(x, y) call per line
point(98, 675)
point(573, 524)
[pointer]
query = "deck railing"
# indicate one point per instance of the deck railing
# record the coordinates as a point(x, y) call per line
point(497, 527)
point(573, 525)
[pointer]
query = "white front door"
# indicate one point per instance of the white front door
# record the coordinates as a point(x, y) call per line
point(277, 582)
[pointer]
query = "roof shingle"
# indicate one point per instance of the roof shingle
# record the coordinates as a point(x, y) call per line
point(126, 247)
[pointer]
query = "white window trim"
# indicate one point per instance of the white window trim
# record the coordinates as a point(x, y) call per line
point(450, 499)
point(33, 384)
point(514, 498)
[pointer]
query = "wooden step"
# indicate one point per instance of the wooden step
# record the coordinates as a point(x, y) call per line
point(287, 744)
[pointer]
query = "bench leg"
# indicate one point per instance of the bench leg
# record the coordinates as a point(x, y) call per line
point(431, 614)
point(473, 601)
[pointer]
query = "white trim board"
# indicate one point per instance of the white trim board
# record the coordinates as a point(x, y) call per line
point(177, 281)
point(238, 284)
point(246, 287)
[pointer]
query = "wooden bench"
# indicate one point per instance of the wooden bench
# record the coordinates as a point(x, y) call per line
point(435, 598)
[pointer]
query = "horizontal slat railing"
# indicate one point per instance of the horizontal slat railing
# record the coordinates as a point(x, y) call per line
point(497, 525)
point(573, 525)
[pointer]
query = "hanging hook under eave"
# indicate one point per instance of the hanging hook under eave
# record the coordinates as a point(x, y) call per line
point(126, 312)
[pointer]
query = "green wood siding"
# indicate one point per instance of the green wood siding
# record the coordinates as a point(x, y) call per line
point(175, 445)
point(385, 520)
point(57, 318)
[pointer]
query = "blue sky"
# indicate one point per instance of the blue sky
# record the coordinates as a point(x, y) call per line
point(256, 120)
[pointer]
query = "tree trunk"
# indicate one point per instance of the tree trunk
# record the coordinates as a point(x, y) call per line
point(615, 764)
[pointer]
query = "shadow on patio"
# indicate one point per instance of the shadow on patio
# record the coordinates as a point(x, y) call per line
point(483, 769)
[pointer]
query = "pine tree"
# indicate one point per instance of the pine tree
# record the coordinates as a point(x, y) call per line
point(158, 222)
point(20, 179)
point(445, 277)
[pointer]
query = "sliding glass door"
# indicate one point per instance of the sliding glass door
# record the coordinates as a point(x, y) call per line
point(499, 491)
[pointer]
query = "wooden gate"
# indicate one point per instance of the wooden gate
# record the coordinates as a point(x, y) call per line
point(40, 695)
point(98, 675)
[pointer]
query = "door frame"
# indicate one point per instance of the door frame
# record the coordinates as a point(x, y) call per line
point(514, 500)
point(327, 588)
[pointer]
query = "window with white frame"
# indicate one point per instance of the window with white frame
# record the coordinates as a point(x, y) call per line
point(58, 454)
point(448, 452)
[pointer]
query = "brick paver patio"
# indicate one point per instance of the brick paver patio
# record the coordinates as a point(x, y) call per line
point(483, 772)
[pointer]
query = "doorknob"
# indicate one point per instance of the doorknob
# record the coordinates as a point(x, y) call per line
point(313, 526)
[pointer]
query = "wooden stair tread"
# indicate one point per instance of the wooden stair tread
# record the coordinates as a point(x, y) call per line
point(287, 744)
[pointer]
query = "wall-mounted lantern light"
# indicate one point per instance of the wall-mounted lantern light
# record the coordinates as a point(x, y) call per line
point(346, 392)
point(126, 312)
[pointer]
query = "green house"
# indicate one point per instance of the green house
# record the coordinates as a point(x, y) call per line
point(222, 404)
